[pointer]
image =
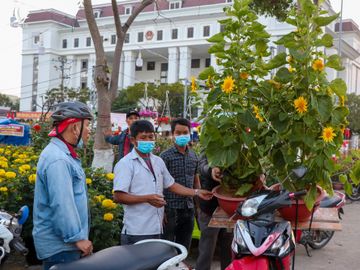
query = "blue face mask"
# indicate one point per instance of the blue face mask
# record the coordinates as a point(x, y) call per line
point(182, 140)
point(145, 147)
point(80, 145)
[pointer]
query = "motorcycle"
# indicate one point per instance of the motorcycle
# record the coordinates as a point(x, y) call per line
point(10, 232)
point(318, 239)
point(144, 255)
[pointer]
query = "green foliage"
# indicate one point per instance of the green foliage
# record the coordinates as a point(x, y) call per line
point(353, 102)
point(275, 8)
point(7, 102)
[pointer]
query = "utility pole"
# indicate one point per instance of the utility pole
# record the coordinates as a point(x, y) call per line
point(185, 97)
point(63, 67)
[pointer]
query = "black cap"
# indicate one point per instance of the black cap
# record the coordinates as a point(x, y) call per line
point(130, 113)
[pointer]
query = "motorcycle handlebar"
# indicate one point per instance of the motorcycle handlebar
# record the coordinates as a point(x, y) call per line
point(18, 246)
point(294, 195)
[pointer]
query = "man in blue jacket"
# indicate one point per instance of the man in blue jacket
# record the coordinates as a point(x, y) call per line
point(61, 219)
point(123, 139)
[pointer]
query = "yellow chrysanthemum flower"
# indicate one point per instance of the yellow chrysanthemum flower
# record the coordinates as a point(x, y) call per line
point(108, 217)
point(32, 178)
point(328, 134)
point(228, 85)
point(193, 84)
point(3, 189)
point(318, 65)
point(10, 175)
point(300, 105)
point(110, 176)
point(256, 111)
point(88, 181)
point(244, 75)
point(109, 204)
point(2, 172)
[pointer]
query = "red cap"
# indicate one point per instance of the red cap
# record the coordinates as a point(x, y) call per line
point(62, 126)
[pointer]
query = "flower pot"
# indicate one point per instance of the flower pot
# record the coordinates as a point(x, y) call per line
point(304, 214)
point(338, 186)
point(227, 202)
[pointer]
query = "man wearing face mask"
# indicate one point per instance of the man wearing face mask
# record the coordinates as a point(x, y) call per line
point(140, 178)
point(60, 213)
point(182, 164)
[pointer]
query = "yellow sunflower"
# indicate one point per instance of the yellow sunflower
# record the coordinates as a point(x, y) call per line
point(328, 134)
point(228, 85)
point(300, 105)
point(318, 65)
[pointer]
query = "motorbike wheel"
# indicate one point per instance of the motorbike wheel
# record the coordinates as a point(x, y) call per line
point(319, 239)
point(355, 196)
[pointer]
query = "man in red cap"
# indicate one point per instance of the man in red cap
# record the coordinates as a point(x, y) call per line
point(60, 214)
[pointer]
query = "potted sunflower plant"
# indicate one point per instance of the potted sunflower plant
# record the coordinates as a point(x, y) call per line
point(233, 131)
point(305, 112)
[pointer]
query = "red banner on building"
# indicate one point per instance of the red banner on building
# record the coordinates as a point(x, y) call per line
point(12, 130)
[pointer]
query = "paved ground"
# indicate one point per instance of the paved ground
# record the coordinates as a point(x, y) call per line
point(342, 253)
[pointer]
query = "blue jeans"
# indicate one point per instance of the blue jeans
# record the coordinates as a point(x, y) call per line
point(62, 257)
point(179, 226)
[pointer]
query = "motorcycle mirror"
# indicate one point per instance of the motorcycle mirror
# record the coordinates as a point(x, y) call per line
point(299, 172)
point(23, 214)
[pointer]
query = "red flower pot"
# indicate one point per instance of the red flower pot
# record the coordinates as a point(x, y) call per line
point(304, 214)
point(226, 202)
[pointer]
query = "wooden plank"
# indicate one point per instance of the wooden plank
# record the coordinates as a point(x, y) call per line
point(324, 219)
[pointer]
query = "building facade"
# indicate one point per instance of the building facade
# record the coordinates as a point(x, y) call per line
point(165, 44)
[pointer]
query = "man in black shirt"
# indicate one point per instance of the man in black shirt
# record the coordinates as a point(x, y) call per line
point(210, 178)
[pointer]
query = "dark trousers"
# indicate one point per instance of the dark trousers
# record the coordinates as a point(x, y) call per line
point(207, 244)
point(62, 257)
point(127, 239)
point(179, 225)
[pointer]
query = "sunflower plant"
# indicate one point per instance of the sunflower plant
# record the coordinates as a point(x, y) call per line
point(304, 111)
point(232, 132)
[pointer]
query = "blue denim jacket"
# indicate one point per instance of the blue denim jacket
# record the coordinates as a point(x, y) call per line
point(119, 140)
point(60, 211)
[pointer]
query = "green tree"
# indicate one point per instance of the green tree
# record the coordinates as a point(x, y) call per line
point(273, 8)
point(7, 102)
point(353, 102)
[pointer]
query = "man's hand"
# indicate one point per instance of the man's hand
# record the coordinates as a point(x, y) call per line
point(156, 200)
point(216, 174)
point(204, 194)
point(107, 132)
point(85, 246)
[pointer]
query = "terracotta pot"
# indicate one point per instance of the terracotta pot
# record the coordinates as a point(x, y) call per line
point(338, 186)
point(226, 202)
point(304, 214)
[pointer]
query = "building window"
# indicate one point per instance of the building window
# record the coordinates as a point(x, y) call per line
point(76, 42)
point(36, 39)
point(164, 67)
point(138, 68)
point(174, 34)
point(88, 41)
point(150, 65)
point(206, 32)
point(222, 28)
point(207, 62)
point(190, 32)
point(127, 38)
point(175, 5)
point(113, 39)
point(159, 35)
point(128, 10)
point(84, 64)
point(83, 85)
point(140, 36)
point(64, 43)
point(97, 14)
point(195, 63)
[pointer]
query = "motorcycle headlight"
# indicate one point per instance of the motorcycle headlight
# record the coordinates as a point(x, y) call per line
point(278, 243)
point(250, 206)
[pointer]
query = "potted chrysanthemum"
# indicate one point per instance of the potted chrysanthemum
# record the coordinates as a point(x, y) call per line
point(305, 112)
point(233, 131)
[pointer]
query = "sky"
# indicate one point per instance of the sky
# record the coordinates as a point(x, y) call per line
point(10, 44)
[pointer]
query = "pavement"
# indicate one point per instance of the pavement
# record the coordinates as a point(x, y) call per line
point(341, 253)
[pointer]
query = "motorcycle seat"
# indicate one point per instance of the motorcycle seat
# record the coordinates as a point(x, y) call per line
point(143, 256)
point(329, 202)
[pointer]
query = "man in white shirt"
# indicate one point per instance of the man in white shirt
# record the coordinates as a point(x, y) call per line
point(140, 178)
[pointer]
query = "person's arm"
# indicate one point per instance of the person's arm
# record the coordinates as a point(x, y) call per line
point(122, 181)
point(197, 183)
point(189, 192)
point(65, 217)
point(115, 140)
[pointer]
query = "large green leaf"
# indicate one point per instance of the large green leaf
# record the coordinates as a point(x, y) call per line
point(283, 75)
point(355, 173)
point(278, 61)
point(217, 47)
point(324, 103)
point(339, 115)
point(310, 197)
point(216, 38)
point(243, 189)
point(204, 75)
point(334, 62)
point(326, 41)
point(339, 87)
point(221, 156)
point(322, 21)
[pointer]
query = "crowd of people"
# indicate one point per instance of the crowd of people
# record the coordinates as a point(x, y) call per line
point(157, 192)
